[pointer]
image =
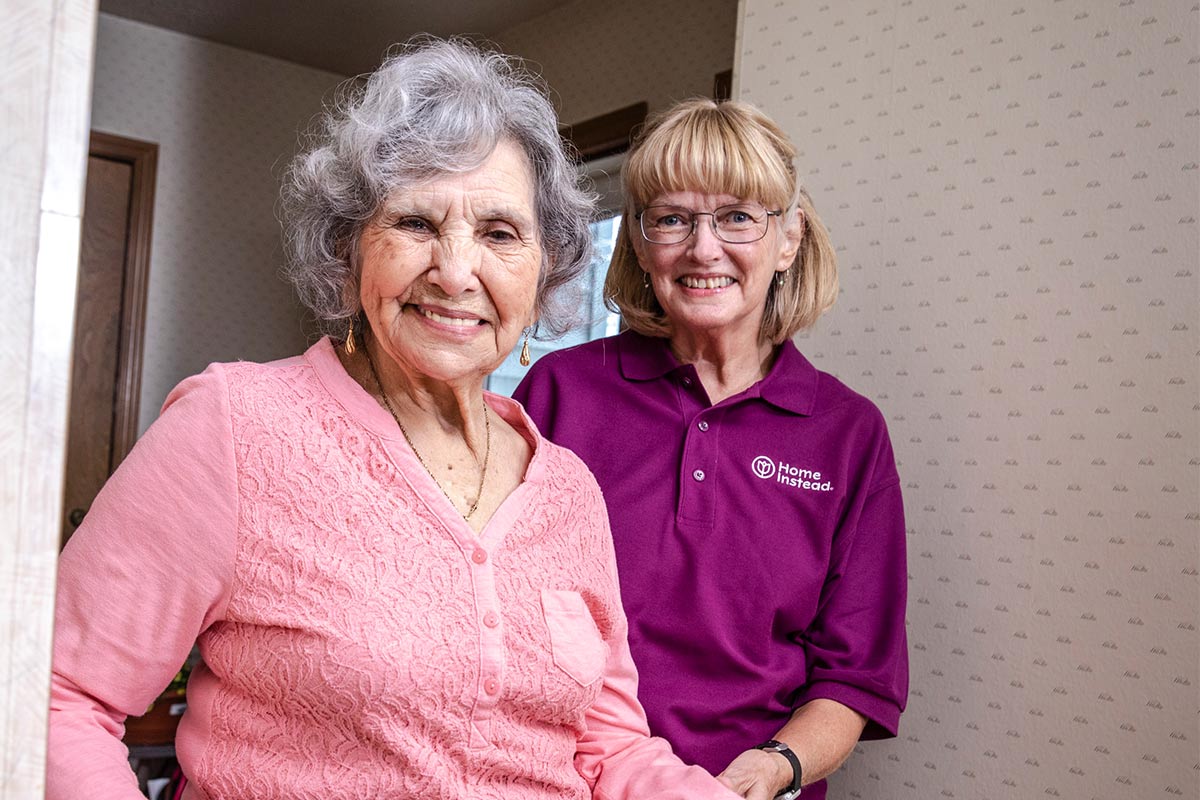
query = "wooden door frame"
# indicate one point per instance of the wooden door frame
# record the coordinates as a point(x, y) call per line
point(142, 157)
point(46, 62)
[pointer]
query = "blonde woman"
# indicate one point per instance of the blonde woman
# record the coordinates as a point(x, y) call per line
point(754, 500)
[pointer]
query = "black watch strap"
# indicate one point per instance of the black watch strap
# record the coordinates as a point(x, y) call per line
point(773, 746)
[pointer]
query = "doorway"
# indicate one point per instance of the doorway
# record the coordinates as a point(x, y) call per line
point(114, 267)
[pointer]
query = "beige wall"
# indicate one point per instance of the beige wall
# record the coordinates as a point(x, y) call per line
point(1013, 190)
point(226, 121)
point(598, 57)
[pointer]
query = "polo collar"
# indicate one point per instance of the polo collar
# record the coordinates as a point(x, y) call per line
point(645, 358)
point(790, 385)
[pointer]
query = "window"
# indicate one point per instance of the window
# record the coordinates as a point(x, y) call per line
point(595, 320)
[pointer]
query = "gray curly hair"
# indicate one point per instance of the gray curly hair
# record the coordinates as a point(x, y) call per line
point(434, 107)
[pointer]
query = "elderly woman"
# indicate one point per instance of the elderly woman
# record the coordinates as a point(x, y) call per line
point(397, 588)
point(754, 500)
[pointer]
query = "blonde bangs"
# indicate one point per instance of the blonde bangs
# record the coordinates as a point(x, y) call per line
point(704, 147)
point(721, 148)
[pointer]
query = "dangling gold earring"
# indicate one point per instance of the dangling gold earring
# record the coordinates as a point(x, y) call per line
point(350, 339)
point(646, 280)
point(525, 360)
point(780, 277)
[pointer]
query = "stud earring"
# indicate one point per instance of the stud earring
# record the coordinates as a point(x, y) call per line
point(350, 339)
point(525, 360)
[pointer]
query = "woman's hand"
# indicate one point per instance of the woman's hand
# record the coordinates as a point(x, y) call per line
point(757, 774)
point(826, 729)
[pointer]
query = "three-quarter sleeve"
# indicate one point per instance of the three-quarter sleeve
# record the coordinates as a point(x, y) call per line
point(146, 572)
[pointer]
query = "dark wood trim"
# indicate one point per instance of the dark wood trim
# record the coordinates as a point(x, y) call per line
point(723, 85)
point(606, 134)
point(143, 158)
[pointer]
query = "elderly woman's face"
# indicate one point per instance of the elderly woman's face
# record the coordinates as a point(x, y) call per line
point(708, 286)
point(450, 268)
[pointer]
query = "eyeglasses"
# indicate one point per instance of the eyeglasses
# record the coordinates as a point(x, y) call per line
point(740, 223)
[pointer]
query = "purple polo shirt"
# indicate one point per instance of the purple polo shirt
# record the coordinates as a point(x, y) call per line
point(760, 541)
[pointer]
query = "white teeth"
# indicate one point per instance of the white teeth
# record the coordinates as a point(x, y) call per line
point(705, 283)
point(459, 321)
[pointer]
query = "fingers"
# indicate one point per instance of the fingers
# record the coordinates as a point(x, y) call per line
point(751, 775)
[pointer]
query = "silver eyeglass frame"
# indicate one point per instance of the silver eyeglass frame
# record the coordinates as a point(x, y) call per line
point(712, 215)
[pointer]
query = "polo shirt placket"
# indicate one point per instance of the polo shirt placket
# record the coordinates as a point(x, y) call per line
point(700, 424)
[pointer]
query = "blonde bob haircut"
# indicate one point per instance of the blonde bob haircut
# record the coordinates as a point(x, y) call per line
point(727, 147)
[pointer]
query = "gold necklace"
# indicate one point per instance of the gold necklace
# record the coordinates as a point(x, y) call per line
point(487, 451)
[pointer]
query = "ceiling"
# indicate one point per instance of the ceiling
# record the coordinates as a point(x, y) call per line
point(347, 37)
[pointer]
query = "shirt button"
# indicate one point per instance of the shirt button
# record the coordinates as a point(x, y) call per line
point(491, 619)
point(491, 686)
point(698, 474)
point(702, 425)
point(479, 556)
point(687, 381)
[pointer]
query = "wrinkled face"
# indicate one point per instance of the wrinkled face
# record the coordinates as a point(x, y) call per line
point(450, 268)
point(710, 287)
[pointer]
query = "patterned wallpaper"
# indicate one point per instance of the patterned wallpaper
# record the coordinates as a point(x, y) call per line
point(598, 57)
point(1013, 189)
point(225, 121)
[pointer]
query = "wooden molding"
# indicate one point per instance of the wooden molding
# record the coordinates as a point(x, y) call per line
point(723, 85)
point(143, 158)
point(606, 134)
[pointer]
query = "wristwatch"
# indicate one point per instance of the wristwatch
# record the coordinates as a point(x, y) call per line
point(773, 746)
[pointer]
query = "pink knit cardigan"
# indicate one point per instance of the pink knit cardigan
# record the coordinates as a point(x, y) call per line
point(358, 639)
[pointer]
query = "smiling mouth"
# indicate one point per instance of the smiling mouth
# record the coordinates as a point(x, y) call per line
point(706, 283)
point(460, 322)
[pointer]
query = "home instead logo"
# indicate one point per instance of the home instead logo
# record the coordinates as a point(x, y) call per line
point(797, 477)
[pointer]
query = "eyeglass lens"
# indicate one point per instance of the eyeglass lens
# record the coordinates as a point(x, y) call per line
point(735, 223)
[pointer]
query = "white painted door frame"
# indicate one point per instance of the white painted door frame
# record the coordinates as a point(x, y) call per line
point(46, 62)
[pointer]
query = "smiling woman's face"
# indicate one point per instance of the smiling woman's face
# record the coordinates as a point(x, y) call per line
point(707, 286)
point(450, 269)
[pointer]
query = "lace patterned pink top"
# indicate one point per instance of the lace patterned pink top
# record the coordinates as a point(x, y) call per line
point(358, 639)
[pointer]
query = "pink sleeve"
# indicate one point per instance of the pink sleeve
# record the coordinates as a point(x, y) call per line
point(147, 571)
point(616, 755)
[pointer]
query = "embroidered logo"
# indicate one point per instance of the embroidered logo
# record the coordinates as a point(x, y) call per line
point(789, 475)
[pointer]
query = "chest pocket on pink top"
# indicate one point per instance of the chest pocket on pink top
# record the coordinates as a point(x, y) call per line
point(577, 646)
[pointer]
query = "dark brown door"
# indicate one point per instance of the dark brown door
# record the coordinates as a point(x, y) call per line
point(114, 263)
